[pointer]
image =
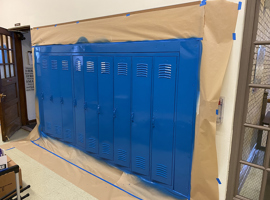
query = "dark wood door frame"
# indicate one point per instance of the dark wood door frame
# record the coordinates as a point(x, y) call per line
point(250, 31)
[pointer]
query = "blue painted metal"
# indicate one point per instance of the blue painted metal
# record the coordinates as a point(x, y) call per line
point(78, 101)
point(141, 114)
point(66, 97)
point(163, 119)
point(131, 103)
point(91, 103)
point(122, 86)
point(105, 96)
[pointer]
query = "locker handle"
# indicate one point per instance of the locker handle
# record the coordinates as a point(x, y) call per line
point(153, 123)
point(98, 109)
point(75, 102)
point(132, 117)
point(51, 98)
point(85, 105)
point(114, 112)
point(62, 100)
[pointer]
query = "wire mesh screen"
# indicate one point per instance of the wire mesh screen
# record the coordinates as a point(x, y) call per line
point(250, 180)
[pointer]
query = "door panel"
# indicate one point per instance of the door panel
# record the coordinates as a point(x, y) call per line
point(66, 98)
point(105, 107)
point(55, 97)
point(10, 114)
point(122, 83)
point(163, 118)
point(91, 103)
point(141, 113)
point(79, 100)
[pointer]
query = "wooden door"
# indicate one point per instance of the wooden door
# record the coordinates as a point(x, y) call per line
point(9, 93)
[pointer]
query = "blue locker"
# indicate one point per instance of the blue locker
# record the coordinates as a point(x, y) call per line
point(78, 101)
point(121, 112)
point(45, 95)
point(55, 97)
point(91, 103)
point(163, 119)
point(105, 107)
point(141, 114)
point(66, 98)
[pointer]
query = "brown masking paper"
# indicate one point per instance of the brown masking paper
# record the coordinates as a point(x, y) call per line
point(215, 22)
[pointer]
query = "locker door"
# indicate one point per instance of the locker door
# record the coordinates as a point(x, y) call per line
point(66, 98)
point(105, 107)
point(163, 118)
point(79, 101)
point(45, 94)
point(55, 100)
point(141, 113)
point(122, 83)
point(91, 103)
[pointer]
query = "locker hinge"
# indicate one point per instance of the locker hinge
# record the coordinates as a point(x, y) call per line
point(153, 123)
point(42, 95)
point(114, 112)
point(98, 109)
point(62, 100)
point(85, 105)
point(51, 98)
point(132, 117)
point(75, 102)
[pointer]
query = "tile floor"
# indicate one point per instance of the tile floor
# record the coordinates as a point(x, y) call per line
point(45, 184)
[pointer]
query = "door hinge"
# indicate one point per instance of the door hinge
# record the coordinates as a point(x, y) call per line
point(114, 112)
point(132, 117)
point(42, 95)
point(85, 105)
point(98, 109)
point(62, 100)
point(51, 98)
point(75, 102)
point(153, 123)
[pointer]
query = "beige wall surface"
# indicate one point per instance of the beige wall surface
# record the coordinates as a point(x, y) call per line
point(40, 13)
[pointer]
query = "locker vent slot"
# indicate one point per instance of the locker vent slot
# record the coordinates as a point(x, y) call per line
point(142, 70)
point(49, 126)
point(165, 71)
point(92, 143)
point(122, 155)
point(122, 69)
point(105, 68)
point(44, 64)
point(80, 138)
point(105, 148)
point(58, 130)
point(54, 64)
point(90, 67)
point(64, 65)
point(140, 162)
point(162, 170)
point(68, 133)
point(78, 65)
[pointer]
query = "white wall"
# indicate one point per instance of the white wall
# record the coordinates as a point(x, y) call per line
point(38, 13)
point(30, 95)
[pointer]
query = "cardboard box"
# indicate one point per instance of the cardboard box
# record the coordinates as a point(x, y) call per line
point(7, 181)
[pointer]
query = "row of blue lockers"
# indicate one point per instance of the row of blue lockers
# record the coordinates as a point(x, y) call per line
point(135, 110)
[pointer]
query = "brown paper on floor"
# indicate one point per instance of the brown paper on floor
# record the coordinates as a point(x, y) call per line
point(215, 22)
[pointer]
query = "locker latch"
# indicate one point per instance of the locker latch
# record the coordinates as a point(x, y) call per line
point(153, 123)
point(98, 109)
point(61, 100)
point(42, 95)
point(85, 105)
point(51, 98)
point(132, 117)
point(114, 112)
point(75, 102)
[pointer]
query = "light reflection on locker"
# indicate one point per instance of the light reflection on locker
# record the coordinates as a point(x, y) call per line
point(78, 101)
point(163, 119)
point(121, 112)
point(105, 107)
point(141, 113)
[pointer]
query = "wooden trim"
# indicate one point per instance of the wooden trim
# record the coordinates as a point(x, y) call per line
point(21, 84)
point(32, 121)
point(251, 19)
